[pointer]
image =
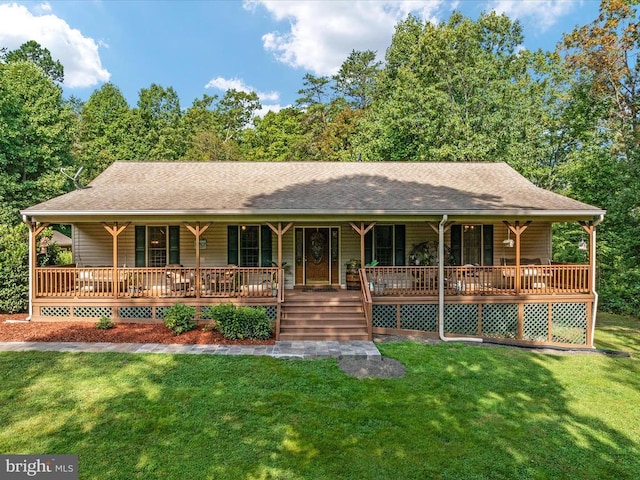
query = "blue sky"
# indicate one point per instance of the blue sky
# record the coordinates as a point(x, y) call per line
point(200, 47)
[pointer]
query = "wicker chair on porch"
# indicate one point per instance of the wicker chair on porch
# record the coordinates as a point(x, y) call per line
point(180, 282)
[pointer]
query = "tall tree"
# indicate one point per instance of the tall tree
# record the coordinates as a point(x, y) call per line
point(215, 127)
point(458, 91)
point(356, 78)
point(104, 133)
point(604, 56)
point(276, 137)
point(314, 91)
point(236, 110)
point(32, 51)
point(158, 122)
point(36, 130)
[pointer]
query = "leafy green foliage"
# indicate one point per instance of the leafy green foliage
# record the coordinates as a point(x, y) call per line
point(103, 131)
point(105, 323)
point(180, 318)
point(14, 268)
point(356, 78)
point(473, 71)
point(64, 258)
point(35, 138)
point(236, 323)
point(32, 51)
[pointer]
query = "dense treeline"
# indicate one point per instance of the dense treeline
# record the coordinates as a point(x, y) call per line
point(461, 90)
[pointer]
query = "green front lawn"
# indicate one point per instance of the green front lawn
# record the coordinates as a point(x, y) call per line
point(460, 412)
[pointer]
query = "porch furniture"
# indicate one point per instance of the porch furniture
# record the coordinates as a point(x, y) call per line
point(533, 272)
point(180, 282)
point(224, 282)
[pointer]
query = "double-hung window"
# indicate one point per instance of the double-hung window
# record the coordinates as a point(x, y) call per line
point(157, 245)
point(472, 244)
point(249, 245)
point(386, 244)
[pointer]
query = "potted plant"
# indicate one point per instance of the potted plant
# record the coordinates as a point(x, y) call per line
point(352, 274)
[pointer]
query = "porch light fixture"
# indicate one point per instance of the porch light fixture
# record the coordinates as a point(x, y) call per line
point(582, 245)
point(509, 241)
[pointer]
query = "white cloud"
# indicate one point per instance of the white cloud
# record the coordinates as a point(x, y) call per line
point(43, 7)
point(545, 13)
point(270, 108)
point(322, 34)
point(237, 84)
point(78, 54)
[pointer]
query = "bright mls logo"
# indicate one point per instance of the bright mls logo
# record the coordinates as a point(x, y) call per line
point(50, 467)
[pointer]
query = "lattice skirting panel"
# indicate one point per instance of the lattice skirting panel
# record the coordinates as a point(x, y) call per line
point(570, 323)
point(461, 319)
point(384, 316)
point(55, 311)
point(500, 320)
point(422, 317)
point(125, 313)
point(563, 323)
point(135, 312)
point(416, 317)
point(535, 326)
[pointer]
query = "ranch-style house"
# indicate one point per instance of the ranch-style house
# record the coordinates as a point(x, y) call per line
point(331, 250)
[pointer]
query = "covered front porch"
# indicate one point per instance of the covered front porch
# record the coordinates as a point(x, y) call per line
point(515, 299)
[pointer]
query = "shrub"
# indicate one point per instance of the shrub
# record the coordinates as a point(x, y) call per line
point(105, 323)
point(240, 323)
point(14, 268)
point(64, 258)
point(180, 318)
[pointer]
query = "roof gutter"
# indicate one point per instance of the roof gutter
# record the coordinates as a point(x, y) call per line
point(441, 289)
point(307, 212)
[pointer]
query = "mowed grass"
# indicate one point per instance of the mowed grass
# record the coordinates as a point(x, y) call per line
point(460, 412)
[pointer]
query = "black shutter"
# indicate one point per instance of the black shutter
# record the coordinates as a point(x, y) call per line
point(487, 245)
point(399, 241)
point(141, 243)
point(265, 246)
point(456, 244)
point(368, 247)
point(232, 245)
point(174, 245)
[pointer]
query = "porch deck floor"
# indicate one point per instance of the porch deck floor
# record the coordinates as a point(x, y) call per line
point(307, 349)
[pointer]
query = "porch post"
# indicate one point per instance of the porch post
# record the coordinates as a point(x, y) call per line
point(115, 230)
point(280, 233)
point(362, 231)
point(197, 231)
point(34, 231)
point(517, 230)
point(590, 228)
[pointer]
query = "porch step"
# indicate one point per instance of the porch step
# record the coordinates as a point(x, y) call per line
point(323, 316)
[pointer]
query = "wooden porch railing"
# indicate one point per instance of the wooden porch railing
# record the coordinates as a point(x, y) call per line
point(158, 282)
point(472, 280)
point(367, 302)
point(280, 301)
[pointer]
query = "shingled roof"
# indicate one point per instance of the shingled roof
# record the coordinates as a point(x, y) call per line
point(311, 188)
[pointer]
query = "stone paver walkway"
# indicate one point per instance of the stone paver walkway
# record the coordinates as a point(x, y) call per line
point(286, 349)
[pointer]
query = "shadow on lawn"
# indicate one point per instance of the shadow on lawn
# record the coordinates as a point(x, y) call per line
point(460, 412)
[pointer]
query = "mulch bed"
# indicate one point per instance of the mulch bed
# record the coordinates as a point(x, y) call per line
point(121, 333)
